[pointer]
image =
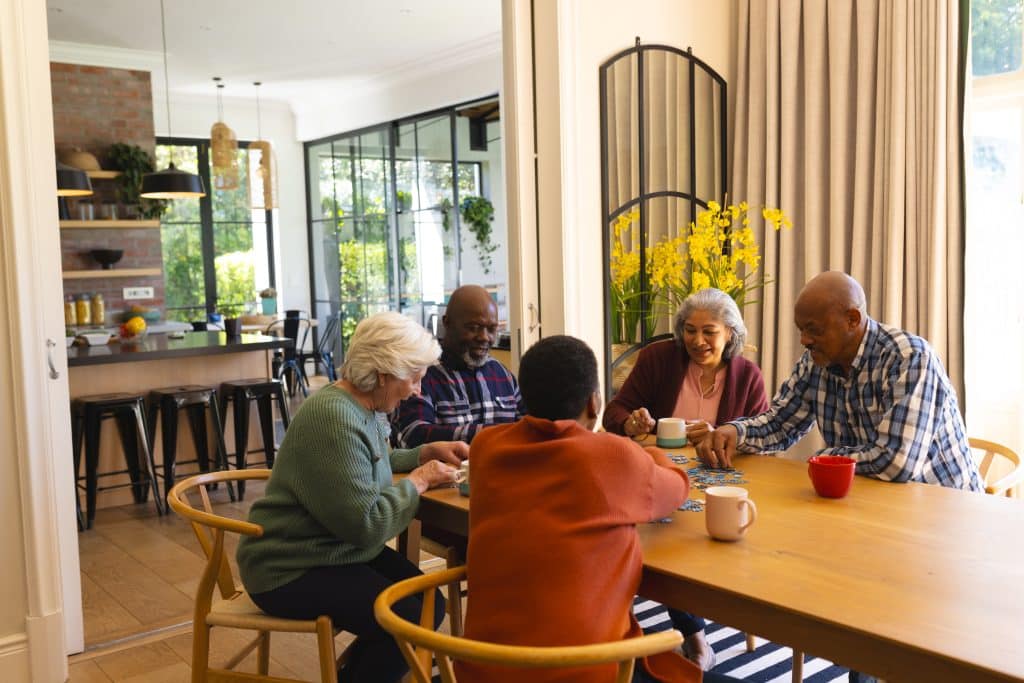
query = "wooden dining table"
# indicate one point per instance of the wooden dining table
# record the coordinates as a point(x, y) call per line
point(908, 582)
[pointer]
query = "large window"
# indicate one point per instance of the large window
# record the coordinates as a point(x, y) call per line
point(994, 315)
point(217, 250)
point(386, 232)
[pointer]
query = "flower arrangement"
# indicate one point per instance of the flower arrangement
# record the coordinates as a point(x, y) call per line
point(719, 247)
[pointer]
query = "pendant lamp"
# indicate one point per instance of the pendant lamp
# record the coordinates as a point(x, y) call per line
point(267, 168)
point(170, 183)
point(223, 148)
point(72, 182)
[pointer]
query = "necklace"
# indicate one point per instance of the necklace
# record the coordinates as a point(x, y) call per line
point(698, 380)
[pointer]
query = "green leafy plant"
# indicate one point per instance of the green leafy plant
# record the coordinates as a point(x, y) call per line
point(404, 200)
point(478, 212)
point(134, 162)
point(445, 207)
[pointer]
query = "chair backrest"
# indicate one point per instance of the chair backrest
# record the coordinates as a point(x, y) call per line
point(328, 333)
point(294, 328)
point(419, 643)
point(210, 527)
point(1000, 467)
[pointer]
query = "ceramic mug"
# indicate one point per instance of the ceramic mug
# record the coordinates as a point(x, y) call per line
point(671, 432)
point(728, 512)
point(831, 475)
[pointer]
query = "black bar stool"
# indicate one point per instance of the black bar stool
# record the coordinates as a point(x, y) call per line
point(196, 399)
point(87, 414)
point(264, 391)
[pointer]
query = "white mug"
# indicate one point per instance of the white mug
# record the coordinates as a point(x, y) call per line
point(463, 474)
point(728, 512)
point(671, 432)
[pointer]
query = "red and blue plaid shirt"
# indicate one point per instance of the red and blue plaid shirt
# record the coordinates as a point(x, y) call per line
point(456, 402)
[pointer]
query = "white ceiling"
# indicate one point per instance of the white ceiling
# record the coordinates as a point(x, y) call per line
point(300, 50)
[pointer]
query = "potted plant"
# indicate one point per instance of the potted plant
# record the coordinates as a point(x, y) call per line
point(134, 162)
point(268, 300)
point(404, 200)
point(478, 212)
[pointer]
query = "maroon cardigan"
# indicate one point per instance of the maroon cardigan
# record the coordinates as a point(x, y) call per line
point(657, 379)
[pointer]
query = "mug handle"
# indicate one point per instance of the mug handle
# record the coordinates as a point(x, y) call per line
point(753, 513)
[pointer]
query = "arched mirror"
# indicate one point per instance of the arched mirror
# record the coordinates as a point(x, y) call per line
point(663, 147)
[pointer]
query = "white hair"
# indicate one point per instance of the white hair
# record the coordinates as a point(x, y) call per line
point(387, 343)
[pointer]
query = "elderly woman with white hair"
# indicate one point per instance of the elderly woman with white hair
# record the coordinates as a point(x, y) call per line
point(699, 376)
point(331, 505)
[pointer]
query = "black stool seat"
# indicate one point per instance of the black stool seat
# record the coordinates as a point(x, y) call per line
point(196, 399)
point(264, 391)
point(87, 414)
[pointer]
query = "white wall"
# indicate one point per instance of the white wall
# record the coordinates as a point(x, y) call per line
point(573, 38)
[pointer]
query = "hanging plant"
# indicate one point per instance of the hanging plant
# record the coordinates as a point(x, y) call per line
point(478, 212)
point(134, 162)
point(445, 207)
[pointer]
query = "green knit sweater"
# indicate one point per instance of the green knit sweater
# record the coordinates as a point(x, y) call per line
point(330, 499)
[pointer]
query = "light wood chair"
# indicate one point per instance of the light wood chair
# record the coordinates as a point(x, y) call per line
point(1000, 479)
point(420, 644)
point(234, 609)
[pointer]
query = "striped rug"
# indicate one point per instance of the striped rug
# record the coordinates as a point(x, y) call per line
point(767, 663)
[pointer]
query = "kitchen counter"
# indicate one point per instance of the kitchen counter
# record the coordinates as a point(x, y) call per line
point(163, 347)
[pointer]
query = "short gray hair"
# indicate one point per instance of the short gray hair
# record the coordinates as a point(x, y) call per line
point(722, 307)
point(388, 343)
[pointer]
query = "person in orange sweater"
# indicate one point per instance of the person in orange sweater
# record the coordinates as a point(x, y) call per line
point(554, 555)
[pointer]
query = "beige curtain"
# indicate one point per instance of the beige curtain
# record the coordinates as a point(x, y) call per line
point(847, 118)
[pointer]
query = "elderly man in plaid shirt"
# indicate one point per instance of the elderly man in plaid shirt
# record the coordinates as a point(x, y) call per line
point(467, 390)
point(878, 394)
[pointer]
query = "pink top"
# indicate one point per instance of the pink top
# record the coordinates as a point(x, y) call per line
point(694, 404)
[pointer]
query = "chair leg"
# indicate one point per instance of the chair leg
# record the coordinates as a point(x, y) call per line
point(76, 454)
point(197, 424)
point(92, 458)
point(282, 406)
point(241, 415)
point(200, 651)
point(169, 441)
point(453, 558)
point(126, 427)
point(216, 414)
point(266, 412)
point(147, 459)
point(325, 649)
point(798, 666)
point(263, 654)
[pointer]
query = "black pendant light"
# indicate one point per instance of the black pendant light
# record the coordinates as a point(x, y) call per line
point(170, 183)
point(72, 182)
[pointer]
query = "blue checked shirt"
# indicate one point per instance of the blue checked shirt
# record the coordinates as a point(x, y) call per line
point(896, 413)
point(456, 402)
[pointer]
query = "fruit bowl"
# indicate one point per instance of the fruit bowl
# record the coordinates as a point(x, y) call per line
point(150, 315)
point(96, 338)
point(127, 338)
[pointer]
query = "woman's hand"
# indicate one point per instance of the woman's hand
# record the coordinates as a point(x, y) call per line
point(638, 423)
point(432, 474)
point(451, 452)
point(697, 431)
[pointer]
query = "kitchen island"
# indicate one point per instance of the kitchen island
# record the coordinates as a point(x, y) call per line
point(158, 360)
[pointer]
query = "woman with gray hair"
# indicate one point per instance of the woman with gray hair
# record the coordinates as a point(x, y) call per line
point(699, 376)
point(331, 504)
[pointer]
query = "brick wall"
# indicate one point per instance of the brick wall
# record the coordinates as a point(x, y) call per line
point(94, 107)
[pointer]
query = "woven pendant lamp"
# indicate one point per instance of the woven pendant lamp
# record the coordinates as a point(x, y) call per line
point(267, 168)
point(223, 148)
point(170, 183)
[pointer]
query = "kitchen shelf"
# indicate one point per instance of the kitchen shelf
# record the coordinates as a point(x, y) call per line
point(112, 272)
point(103, 175)
point(120, 224)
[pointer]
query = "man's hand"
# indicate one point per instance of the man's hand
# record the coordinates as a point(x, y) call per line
point(639, 423)
point(451, 452)
point(697, 430)
point(718, 448)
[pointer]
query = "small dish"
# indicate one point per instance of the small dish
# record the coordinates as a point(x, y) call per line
point(98, 338)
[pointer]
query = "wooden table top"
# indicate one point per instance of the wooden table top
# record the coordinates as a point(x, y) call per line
point(907, 581)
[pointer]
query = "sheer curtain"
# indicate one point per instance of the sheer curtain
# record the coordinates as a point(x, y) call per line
point(847, 117)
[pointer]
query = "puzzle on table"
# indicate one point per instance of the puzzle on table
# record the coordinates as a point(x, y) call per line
point(702, 477)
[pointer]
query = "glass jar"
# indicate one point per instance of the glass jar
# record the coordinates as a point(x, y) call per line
point(99, 313)
point(83, 310)
point(70, 314)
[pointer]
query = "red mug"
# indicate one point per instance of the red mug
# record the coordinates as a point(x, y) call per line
point(831, 475)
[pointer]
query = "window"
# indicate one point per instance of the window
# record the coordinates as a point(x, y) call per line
point(385, 230)
point(217, 250)
point(994, 301)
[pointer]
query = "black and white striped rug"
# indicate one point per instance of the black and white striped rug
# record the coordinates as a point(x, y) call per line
point(768, 663)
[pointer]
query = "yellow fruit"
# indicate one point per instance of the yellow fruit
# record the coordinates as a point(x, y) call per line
point(135, 325)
